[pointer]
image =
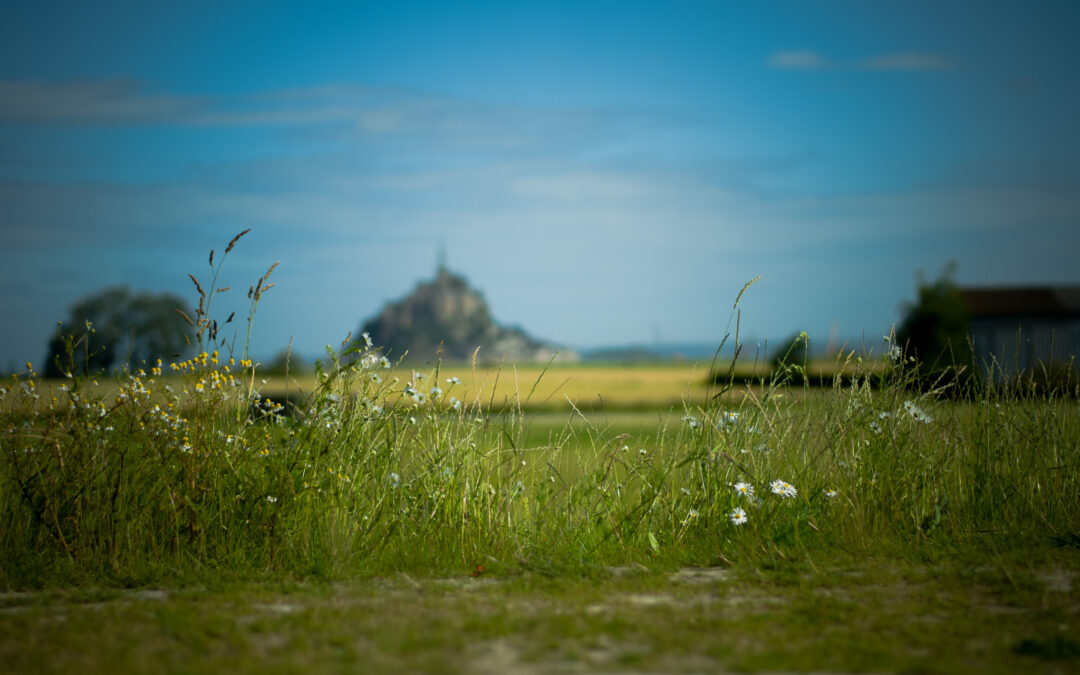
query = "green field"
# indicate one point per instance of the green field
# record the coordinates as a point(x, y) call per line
point(522, 520)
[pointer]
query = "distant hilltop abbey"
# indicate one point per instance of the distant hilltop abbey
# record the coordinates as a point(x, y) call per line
point(447, 315)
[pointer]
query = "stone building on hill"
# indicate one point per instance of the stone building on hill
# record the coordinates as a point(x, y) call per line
point(447, 316)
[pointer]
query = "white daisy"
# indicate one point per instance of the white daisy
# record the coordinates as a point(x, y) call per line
point(738, 516)
point(917, 413)
point(783, 488)
point(727, 419)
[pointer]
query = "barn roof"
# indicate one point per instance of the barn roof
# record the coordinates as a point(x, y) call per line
point(1010, 301)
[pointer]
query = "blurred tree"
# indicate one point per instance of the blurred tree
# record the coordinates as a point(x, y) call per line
point(287, 361)
point(935, 327)
point(114, 327)
point(792, 352)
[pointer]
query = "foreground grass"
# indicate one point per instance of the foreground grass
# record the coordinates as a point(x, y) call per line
point(376, 473)
point(999, 614)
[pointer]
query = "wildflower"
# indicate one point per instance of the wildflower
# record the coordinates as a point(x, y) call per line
point(384, 362)
point(436, 392)
point(691, 421)
point(783, 488)
point(693, 513)
point(455, 403)
point(893, 351)
point(453, 380)
point(744, 490)
point(875, 427)
point(643, 452)
point(727, 419)
point(917, 413)
point(831, 493)
point(884, 415)
point(738, 516)
point(270, 499)
point(685, 491)
point(409, 390)
point(367, 339)
point(370, 361)
point(394, 479)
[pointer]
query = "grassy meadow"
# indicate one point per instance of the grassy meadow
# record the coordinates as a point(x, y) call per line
point(182, 518)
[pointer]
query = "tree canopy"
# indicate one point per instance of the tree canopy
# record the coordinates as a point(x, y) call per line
point(935, 327)
point(792, 351)
point(115, 327)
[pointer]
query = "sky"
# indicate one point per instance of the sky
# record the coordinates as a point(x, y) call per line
point(603, 172)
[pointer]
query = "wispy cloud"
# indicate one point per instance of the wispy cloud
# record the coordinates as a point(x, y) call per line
point(901, 61)
point(116, 101)
point(907, 61)
point(798, 60)
point(106, 102)
point(372, 113)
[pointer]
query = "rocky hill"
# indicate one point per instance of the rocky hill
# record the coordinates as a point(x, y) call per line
point(447, 315)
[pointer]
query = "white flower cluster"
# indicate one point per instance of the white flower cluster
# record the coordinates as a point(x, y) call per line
point(728, 420)
point(783, 488)
point(917, 413)
point(691, 421)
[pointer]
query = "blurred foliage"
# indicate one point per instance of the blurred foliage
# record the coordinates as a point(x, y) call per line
point(288, 362)
point(115, 327)
point(935, 329)
point(792, 351)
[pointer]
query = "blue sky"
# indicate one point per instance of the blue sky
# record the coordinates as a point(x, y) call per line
point(605, 172)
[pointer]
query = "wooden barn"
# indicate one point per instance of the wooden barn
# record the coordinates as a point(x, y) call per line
point(1020, 327)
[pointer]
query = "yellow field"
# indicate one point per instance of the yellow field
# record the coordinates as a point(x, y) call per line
point(606, 386)
point(654, 387)
point(650, 386)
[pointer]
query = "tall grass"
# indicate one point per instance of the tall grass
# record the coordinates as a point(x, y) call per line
point(188, 471)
